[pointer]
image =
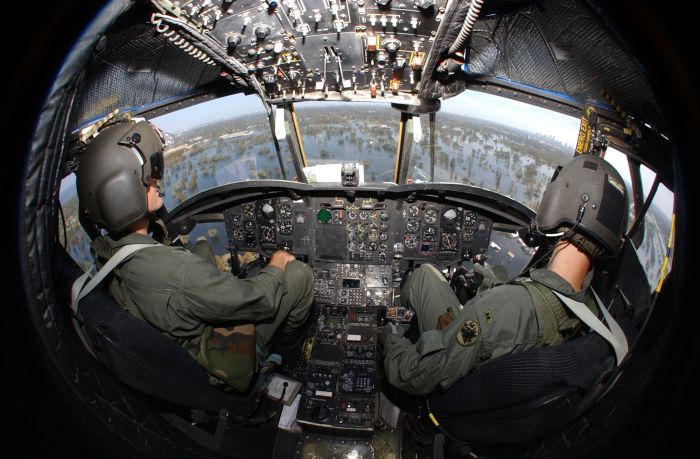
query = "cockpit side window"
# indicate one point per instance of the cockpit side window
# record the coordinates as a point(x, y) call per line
point(652, 246)
point(71, 233)
point(658, 231)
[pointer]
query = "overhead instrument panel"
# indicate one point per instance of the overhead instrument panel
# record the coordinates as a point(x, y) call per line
point(321, 49)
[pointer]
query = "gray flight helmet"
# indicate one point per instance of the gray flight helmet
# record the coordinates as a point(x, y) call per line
point(114, 172)
point(589, 195)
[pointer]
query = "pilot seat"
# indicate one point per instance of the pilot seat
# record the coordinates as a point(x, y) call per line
point(520, 397)
point(143, 358)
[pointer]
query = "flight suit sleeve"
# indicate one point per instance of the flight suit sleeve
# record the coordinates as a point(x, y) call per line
point(218, 297)
point(494, 323)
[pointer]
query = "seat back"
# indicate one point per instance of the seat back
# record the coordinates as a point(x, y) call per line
point(522, 395)
point(142, 357)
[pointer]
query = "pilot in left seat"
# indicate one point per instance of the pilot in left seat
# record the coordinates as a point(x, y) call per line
point(225, 323)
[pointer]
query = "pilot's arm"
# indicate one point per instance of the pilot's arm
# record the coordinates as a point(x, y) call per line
point(218, 297)
point(494, 323)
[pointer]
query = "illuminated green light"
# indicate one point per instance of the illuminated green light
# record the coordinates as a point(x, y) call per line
point(323, 215)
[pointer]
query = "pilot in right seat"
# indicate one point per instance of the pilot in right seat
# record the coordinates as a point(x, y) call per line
point(583, 212)
point(224, 322)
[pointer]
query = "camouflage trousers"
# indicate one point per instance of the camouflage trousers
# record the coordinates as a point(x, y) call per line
point(228, 353)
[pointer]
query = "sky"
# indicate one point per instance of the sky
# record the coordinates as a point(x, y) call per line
point(501, 110)
point(211, 111)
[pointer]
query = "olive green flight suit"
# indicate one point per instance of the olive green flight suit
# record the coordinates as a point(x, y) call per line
point(185, 296)
point(495, 322)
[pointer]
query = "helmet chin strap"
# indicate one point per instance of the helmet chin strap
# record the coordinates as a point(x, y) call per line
point(161, 193)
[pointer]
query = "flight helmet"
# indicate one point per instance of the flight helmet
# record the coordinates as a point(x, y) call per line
point(587, 201)
point(114, 173)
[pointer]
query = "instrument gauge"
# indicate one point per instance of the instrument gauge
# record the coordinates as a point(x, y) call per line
point(267, 233)
point(448, 241)
point(430, 216)
point(412, 226)
point(286, 228)
point(249, 227)
point(285, 212)
point(410, 241)
point(470, 218)
point(449, 217)
point(268, 211)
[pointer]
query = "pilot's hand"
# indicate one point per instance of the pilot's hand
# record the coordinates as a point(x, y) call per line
point(394, 328)
point(280, 259)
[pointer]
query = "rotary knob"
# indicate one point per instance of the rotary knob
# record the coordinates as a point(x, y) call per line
point(232, 42)
point(384, 4)
point(262, 31)
point(427, 6)
point(392, 45)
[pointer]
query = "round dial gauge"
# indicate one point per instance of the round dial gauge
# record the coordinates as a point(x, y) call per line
point(449, 217)
point(249, 227)
point(429, 233)
point(286, 228)
point(267, 210)
point(430, 216)
point(470, 218)
point(410, 241)
point(449, 241)
point(412, 226)
point(267, 233)
point(285, 211)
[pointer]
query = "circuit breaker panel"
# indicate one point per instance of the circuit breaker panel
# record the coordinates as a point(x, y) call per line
point(321, 49)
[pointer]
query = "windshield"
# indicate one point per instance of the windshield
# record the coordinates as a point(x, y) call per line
point(214, 143)
point(499, 144)
point(350, 132)
point(481, 140)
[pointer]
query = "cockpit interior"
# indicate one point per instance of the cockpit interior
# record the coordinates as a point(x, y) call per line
point(366, 138)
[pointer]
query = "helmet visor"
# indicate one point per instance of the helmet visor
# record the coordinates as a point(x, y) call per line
point(157, 167)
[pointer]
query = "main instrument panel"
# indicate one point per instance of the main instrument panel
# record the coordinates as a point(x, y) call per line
point(358, 250)
point(360, 232)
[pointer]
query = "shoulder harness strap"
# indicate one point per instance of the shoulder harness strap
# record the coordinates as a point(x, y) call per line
point(614, 334)
point(82, 286)
point(544, 299)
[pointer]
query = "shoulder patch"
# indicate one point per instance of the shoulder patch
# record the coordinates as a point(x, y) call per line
point(469, 333)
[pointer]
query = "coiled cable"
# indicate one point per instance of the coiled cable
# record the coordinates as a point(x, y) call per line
point(472, 15)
